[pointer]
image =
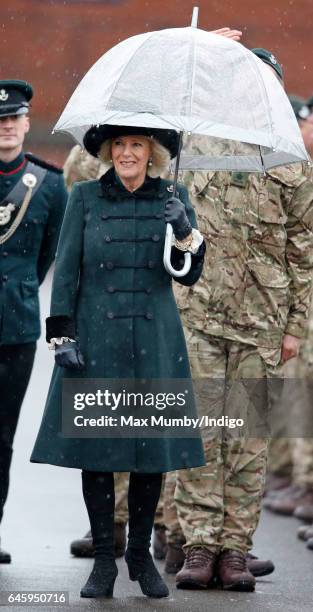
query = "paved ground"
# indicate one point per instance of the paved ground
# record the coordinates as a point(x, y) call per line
point(45, 512)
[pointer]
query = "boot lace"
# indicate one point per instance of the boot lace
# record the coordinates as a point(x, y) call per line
point(235, 561)
point(198, 556)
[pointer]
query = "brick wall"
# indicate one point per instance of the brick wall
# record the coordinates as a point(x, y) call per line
point(52, 43)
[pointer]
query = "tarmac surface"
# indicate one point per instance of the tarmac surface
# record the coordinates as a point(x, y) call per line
point(45, 511)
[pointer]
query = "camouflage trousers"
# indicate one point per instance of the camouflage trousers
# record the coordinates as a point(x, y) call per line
point(121, 491)
point(219, 505)
point(121, 480)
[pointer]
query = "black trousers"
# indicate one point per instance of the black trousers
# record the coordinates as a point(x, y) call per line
point(16, 363)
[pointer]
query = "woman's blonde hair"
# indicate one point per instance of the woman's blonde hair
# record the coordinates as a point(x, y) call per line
point(160, 156)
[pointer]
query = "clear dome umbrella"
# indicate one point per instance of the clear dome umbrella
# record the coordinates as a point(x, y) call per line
point(197, 83)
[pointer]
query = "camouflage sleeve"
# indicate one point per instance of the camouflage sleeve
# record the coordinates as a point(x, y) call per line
point(299, 256)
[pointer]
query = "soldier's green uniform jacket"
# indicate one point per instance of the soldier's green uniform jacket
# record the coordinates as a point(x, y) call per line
point(257, 279)
point(27, 255)
point(110, 279)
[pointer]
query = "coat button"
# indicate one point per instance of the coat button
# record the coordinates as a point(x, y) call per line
point(148, 290)
point(5, 278)
point(5, 254)
point(107, 238)
point(111, 289)
point(149, 316)
point(7, 183)
point(110, 315)
point(155, 237)
point(151, 265)
point(109, 265)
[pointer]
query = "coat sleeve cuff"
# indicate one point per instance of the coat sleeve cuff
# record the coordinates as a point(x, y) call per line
point(59, 326)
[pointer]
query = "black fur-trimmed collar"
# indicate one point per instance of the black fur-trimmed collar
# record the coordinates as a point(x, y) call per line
point(111, 186)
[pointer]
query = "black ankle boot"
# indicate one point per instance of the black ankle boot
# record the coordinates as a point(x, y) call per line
point(98, 490)
point(143, 496)
point(141, 568)
point(101, 580)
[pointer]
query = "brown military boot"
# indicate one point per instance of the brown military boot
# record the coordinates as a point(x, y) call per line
point(309, 544)
point(275, 483)
point(305, 533)
point(84, 547)
point(280, 494)
point(5, 557)
point(257, 567)
point(304, 513)
point(286, 505)
point(233, 572)
point(174, 559)
point(198, 569)
point(159, 542)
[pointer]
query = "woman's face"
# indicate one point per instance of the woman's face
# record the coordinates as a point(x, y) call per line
point(130, 156)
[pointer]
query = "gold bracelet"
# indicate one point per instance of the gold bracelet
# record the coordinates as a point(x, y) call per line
point(184, 245)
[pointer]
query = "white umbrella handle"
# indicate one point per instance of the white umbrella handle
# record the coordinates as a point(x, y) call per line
point(167, 255)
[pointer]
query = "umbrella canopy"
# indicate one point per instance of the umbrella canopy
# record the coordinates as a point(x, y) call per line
point(194, 81)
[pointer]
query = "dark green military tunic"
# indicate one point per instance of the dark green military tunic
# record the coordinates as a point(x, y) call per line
point(27, 255)
point(111, 280)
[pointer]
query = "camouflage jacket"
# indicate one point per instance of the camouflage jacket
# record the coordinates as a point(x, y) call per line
point(80, 166)
point(257, 277)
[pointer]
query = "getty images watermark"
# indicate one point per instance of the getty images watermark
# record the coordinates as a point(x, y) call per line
point(96, 408)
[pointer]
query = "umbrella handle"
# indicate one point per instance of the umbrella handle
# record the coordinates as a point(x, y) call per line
point(167, 255)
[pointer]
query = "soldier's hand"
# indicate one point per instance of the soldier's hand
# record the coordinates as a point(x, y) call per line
point(228, 33)
point(175, 214)
point(68, 355)
point(290, 347)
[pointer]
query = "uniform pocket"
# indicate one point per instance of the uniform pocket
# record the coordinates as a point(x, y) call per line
point(33, 232)
point(29, 307)
point(266, 296)
point(234, 204)
point(21, 311)
point(268, 276)
point(270, 206)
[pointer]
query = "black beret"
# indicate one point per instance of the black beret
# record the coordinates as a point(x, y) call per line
point(269, 58)
point(300, 107)
point(14, 97)
point(96, 135)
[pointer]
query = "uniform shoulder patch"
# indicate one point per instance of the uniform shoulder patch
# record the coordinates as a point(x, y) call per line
point(290, 175)
point(44, 164)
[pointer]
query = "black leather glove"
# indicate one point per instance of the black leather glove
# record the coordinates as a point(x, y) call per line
point(175, 214)
point(68, 355)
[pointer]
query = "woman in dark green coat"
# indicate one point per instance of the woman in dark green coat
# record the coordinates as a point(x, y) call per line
point(113, 315)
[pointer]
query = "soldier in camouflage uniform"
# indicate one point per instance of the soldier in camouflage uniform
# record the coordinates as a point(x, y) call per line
point(244, 318)
point(80, 166)
point(298, 498)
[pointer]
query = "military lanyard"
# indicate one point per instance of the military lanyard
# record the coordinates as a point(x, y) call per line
point(31, 181)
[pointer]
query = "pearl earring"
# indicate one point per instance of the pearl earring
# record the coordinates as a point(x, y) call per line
point(150, 162)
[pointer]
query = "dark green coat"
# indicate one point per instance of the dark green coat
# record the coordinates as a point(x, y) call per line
point(26, 256)
point(110, 279)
